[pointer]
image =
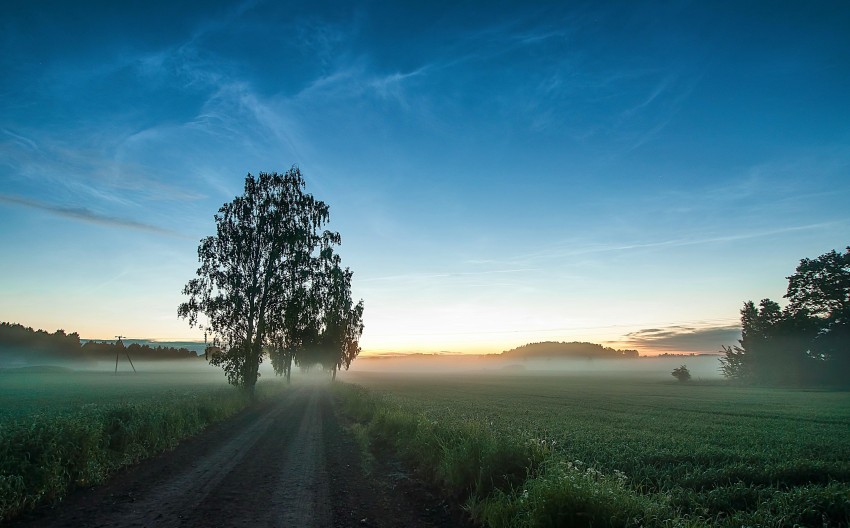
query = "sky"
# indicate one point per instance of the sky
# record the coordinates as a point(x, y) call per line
point(625, 173)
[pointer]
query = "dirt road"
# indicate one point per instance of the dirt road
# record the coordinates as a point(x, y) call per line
point(286, 462)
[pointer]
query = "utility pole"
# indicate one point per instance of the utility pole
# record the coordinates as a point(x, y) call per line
point(118, 353)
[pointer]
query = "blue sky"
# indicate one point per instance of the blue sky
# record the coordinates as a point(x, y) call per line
point(501, 172)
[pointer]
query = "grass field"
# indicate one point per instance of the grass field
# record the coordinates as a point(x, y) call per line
point(61, 429)
point(560, 450)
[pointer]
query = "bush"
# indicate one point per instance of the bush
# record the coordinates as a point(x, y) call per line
point(682, 373)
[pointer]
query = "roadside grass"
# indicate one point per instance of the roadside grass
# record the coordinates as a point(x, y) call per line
point(63, 431)
point(361, 436)
point(549, 451)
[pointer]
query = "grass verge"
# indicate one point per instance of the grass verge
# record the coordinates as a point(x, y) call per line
point(502, 480)
point(46, 454)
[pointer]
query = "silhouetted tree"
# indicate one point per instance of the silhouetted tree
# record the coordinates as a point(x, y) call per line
point(806, 342)
point(253, 286)
point(822, 286)
point(295, 331)
point(735, 363)
point(340, 320)
point(682, 373)
point(322, 325)
point(819, 291)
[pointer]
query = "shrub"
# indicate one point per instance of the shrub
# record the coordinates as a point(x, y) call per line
point(682, 373)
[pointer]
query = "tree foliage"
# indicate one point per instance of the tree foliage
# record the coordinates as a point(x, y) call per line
point(821, 286)
point(337, 322)
point(808, 341)
point(682, 373)
point(263, 285)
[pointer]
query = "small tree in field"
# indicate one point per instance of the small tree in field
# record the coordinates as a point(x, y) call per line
point(682, 373)
point(261, 279)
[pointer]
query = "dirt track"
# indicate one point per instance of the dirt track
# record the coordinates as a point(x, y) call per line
point(286, 462)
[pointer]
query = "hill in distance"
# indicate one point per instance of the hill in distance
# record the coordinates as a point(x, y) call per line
point(560, 350)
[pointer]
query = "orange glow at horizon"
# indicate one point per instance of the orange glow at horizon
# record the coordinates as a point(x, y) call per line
point(468, 328)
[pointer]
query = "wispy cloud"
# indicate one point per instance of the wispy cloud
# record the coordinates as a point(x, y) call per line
point(706, 338)
point(357, 80)
point(85, 215)
point(575, 248)
point(86, 168)
point(20, 140)
point(232, 111)
point(408, 277)
point(391, 85)
point(655, 92)
point(326, 42)
point(412, 88)
point(499, 39)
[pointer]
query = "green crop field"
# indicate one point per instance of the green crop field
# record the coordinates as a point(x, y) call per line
point(61, 429)
point(51, 389)
point(550, 450)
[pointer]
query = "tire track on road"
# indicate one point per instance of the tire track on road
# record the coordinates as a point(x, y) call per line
point(301, 496)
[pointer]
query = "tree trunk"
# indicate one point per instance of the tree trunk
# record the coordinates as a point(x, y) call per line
point(252, 367)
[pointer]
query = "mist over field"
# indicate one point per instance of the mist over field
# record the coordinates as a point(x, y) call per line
point(24, 348)
point(702, 367)
point(184, 368)
point(195, 346)
point(186, 365)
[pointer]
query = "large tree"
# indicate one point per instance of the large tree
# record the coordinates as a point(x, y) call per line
point(820, 291)
point(806, 342)
point(253, 290)
point(822, 285)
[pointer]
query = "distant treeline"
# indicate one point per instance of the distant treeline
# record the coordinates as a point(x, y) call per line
point(19, 343)
point(574, 350)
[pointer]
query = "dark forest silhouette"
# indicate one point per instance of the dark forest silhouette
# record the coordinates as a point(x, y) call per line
point(19, 343)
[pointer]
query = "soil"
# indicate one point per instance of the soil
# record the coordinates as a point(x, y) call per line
point(289, 461)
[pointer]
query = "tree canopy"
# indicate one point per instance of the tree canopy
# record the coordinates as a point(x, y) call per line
point(267, 282)
point(808, 341)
